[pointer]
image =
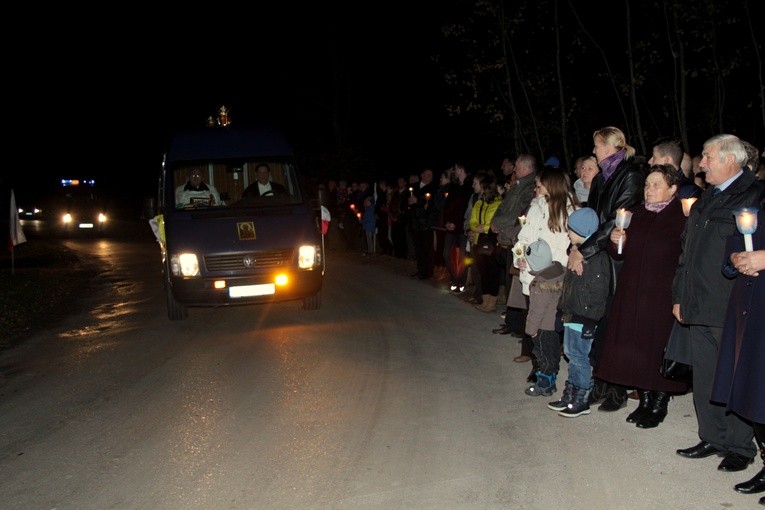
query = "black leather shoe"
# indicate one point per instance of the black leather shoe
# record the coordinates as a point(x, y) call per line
point(753, 486)
point(700, 451)
point(734, 462)
point(505, 330)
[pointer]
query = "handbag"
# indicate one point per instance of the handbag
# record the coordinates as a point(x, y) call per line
point(675, 370)
point(485, 244)
point(677, 355)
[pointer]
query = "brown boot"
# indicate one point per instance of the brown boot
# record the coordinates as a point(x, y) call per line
point(489, 303)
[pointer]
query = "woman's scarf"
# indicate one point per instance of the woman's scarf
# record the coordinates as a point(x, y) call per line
point(608, 165)
point(658, 206)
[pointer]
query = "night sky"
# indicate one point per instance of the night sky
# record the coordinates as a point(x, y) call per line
point(98, 93)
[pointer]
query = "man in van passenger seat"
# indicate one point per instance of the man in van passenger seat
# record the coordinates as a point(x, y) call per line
point(263, 186)
point(196, 191)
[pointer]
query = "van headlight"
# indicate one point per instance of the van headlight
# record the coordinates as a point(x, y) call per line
point(308, 256)
point(184, 264)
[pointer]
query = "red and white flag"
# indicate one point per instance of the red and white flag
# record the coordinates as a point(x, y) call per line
point(17, 233)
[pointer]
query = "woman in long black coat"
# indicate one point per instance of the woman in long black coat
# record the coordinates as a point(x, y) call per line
point(641, 314)
point(740, 373)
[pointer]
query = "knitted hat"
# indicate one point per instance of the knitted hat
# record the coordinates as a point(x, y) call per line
point(538, 256)
point(584, 222)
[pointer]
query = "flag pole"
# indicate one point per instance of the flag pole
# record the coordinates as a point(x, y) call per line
point(16, 233)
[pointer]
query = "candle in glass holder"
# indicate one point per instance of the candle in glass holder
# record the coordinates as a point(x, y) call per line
point(623, 218)
point(746, 222)
point(687, 203)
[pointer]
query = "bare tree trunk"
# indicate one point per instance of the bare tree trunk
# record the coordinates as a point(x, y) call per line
point(517, 134)
point(605, 61)
point(561, 96)
point(633, 92)
point(759, 61)
point(677, 49)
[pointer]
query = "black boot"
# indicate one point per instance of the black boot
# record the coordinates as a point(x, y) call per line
point(597, 391)
point(658, 412)
point(615, 399)
point(643, 408)
point(756, 484)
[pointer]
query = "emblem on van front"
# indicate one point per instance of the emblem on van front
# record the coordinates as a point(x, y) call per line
point(246, 230)
point(248, 261)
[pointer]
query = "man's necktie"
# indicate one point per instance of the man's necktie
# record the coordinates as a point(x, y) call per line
point(716, 192)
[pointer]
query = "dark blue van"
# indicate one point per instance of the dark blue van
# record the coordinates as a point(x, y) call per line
point(235, 222)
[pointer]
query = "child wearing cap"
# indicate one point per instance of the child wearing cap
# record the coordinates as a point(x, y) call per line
point(582, 305)
point(544, 294)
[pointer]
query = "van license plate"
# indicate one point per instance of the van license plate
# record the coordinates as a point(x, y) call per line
point(251, 290)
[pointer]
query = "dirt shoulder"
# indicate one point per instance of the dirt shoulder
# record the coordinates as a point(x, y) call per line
point(39, 284)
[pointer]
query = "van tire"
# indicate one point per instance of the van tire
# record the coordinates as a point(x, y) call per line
point(175, 310)
point(312, 302)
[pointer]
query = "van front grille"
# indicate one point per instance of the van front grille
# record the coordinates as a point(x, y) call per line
point(248, 260)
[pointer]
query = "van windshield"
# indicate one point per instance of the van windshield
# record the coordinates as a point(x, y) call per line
point(261, 182)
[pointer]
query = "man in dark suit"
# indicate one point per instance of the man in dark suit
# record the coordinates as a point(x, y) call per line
point(421, 203)
point(700, 294)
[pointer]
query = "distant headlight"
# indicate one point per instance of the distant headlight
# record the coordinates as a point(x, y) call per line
point(308, 256)
point(184, 264)
point(101, 218)
point(67, 218)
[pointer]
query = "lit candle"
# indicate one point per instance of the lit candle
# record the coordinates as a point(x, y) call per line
point(410, 191)
point(427, 196)
point(623, 218)
point(522, 219)
point(687, 203)
point(746, 222)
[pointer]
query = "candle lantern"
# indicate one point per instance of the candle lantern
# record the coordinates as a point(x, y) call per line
point(687, 203)
point(746, 222)
point(623, 218)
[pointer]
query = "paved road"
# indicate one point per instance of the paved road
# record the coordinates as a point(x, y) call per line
point(394, 395)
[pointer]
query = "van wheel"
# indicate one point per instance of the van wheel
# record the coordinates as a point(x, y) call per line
point(312, 302)
point(175, 310)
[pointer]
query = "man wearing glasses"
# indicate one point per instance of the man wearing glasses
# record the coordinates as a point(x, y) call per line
point(196, 192)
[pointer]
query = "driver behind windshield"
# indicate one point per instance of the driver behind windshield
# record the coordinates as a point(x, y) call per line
point(196, 192)
point(263, 186)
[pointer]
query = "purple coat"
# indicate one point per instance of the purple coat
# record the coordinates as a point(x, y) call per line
point(640, 318)
point(740, 375)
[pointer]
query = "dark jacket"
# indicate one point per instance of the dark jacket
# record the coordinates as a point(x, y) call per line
point(739, 376)
point(456, 204)
point(699, 286)
point(622, 190)
point(584, 296)
point(514, 204)
point(424, 212)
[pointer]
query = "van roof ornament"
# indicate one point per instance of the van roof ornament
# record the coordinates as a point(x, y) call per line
point(222, 119)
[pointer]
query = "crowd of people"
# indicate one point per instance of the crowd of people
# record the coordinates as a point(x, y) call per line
point(618, 266)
